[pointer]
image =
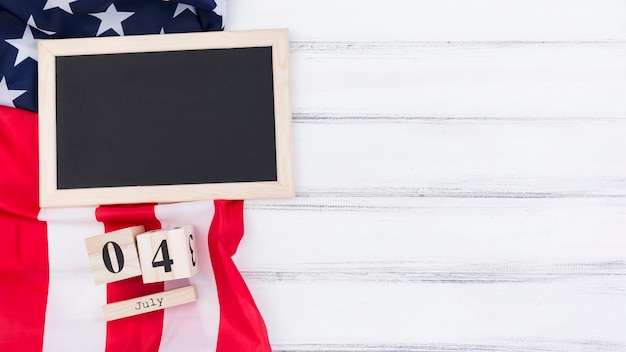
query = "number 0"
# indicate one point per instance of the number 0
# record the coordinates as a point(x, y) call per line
point(119, 256)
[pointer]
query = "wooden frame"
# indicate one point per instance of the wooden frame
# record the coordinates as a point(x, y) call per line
point(49, 50)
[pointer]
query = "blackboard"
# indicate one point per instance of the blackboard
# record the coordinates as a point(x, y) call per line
point(165, 118)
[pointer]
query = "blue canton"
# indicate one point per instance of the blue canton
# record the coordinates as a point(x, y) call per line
point(23, 22)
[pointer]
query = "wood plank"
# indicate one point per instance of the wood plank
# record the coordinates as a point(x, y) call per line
point(149, 303)
point(458, 80)
point(429, 274)
point(386, 313)
point(504, 345)
point(334, 239)
point(442, 271)
point(468, 158)
point(435, 20)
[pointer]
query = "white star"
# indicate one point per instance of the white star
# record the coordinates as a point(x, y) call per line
point(220, 7)
point(162, 31)
point(31, 22)
point(62, 4)
point(182, 7)
point(7, 95)
point(111, 19)
point(26, 46)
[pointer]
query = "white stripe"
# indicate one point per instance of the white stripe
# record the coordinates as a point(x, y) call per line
point(74, 320)
point(194, 326)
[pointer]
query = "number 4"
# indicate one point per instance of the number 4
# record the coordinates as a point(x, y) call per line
point(166, 262)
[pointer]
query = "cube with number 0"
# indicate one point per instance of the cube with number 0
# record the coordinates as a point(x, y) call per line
point(113, 255)
point(167, 254)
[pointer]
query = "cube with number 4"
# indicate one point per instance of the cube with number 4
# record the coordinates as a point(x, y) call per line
point(167, 254)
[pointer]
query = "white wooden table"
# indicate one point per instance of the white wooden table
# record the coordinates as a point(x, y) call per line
point(461, 177)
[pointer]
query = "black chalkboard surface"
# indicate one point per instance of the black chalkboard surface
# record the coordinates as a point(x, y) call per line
point(165, 118)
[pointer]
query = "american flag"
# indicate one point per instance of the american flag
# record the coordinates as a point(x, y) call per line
point(48, 301)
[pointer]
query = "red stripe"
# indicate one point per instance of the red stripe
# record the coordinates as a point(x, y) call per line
point(23, 239)
point(241, 326)
point(140, 333)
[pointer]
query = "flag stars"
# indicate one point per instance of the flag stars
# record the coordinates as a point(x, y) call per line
point(220, 7)
point(26, 46)
point(111, 19)
point(180, 8)
point(62, 4)
point(8, 95)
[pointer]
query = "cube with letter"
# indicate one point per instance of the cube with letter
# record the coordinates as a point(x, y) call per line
point(113, 256)
point(167, 254)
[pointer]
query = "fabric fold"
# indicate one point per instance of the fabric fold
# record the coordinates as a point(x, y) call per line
point(241, 326)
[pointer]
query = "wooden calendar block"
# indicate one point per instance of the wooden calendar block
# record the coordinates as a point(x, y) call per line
point(113, 255)
point(167, 254)
point(149, 303)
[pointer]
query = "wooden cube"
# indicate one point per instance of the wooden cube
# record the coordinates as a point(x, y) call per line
point(113, 255)
point(167, 254)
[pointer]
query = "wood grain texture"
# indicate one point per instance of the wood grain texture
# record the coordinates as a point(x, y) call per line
point(420, 273)
point(435, 20)
point(443, 272)
point(390, 313)
point(513, 345)
point(460, 80)
point(460, 178)
point(439, 234)
point(470, 158)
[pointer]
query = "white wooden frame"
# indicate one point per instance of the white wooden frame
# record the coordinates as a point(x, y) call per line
point(51, 196)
